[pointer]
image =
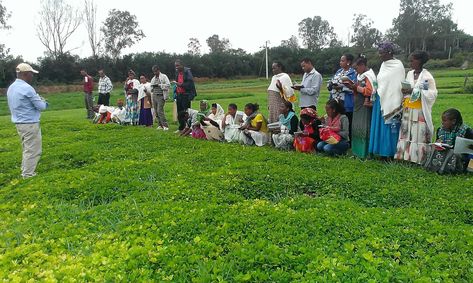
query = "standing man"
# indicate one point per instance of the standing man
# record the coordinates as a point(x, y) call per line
point(25, 106)
point(185, 90)
point(310, 86)
point(88, 97)
point(105, 88)
point(160, 90)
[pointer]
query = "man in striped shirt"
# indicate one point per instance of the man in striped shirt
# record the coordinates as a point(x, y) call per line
point(105, 87)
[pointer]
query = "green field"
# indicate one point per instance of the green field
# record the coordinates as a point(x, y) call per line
point(128, 204)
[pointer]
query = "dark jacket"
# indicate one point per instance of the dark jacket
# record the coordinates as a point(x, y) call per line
point(188, 84)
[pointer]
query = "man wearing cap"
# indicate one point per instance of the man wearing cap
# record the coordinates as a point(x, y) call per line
point(25, 107)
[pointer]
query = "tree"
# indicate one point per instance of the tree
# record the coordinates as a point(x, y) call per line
point(292, 42)
point(120, 30)
point(316, 33)
point(421, 20)
point(90, 11)
point(4, 16)
point(58, 21)
point(194, 46)
point(364, 35)
point(217, 45)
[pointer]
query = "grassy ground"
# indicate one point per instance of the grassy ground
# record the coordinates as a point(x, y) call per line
point(118, 203)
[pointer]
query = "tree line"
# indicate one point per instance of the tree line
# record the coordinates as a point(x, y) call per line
point(421, 24)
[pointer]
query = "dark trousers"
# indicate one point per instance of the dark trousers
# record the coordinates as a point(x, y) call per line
point(104, 99)
point(183, 102)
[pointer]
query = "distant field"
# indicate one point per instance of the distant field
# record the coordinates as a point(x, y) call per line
point(133, 204)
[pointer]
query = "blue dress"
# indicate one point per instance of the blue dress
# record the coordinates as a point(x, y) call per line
point(383, 137)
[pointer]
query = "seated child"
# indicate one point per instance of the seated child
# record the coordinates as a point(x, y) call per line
point(255, 129)
point(197, 131)
point(232, 122)
point(440, 156)
point(105, 114)
point(118, 114)
point(283, 137)
point(211, 123)
point(336, 126)
point(307, 139)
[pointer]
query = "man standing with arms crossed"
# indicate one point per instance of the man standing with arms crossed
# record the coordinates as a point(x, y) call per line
point(88, 97)
point(25, 107)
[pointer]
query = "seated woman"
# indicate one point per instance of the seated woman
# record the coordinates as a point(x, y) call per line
point(197, 131)
point(337, 124)
point(307, 139)
point(255, 129)
point(211, 123)
point(232, 122)
point(440, 156)
point(119, 113)
point(283, 137)
point(190, 118)
point(105, 114)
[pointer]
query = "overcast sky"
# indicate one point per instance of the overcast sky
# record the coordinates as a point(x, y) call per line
point(168, 25)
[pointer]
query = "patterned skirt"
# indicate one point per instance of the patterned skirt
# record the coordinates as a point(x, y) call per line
point(414, 136)
point(275, 101)
point(132, 114)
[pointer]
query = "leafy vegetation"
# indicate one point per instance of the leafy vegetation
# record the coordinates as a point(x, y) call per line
point(116, 203)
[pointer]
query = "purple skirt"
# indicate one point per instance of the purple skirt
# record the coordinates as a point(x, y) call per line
point(146, 117)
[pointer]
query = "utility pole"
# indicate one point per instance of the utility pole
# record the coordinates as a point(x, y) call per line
point(266, 48)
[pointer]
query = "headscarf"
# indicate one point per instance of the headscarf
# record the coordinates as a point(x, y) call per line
point(387, 47)
point(220, 114)
point(313, 116)
point(309, 112)
point(102, 109)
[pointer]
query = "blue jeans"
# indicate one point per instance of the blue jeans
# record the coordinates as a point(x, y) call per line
point(333, 149)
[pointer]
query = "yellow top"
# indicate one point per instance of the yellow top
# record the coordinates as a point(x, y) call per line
point(257, 119)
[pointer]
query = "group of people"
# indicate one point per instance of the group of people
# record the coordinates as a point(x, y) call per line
point(388, 115)
point(143, 101)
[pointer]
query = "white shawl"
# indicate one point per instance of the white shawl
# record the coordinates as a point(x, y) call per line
point(141, 90)
point(428, 96)
point(370, 75)
point(218, 117)
point(286, 83)
point(390, 76)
